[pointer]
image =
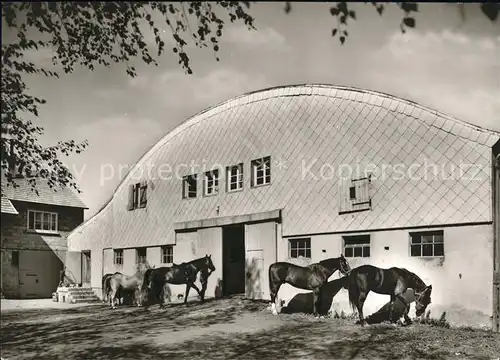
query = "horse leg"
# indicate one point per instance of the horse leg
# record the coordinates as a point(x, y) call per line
point(196, 288)
point(160, 295)
point(274, 287)
point(316, 301)
point(391, 307)
point(204, 285)
point(138, 297)
point(112, 298)
point(407, 310)
point(359, 305)
point(188, 287)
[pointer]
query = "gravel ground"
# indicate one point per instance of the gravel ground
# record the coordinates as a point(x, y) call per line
point(225, 329)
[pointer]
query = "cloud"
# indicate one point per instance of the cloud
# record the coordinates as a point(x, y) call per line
point(450, 71)
point(100, 168)
point(131, 137)
point(173, 86)
point(41, 57)
point(266, 37)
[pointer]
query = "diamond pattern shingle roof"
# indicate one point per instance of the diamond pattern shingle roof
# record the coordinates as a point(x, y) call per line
point(62, 196)
point(322, 127)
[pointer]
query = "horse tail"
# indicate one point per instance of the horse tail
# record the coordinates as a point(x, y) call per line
point(271, 274)
point(106, 288)
point(146, 282)
point(103, 281)
point(353, 289)
point(104, 278)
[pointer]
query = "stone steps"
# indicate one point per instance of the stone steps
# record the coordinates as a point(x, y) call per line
point(77, 295)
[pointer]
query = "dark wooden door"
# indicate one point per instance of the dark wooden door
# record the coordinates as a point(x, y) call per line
point(86, 268)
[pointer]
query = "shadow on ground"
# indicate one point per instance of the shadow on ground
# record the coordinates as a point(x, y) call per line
point(204, 331)
point(303, 302)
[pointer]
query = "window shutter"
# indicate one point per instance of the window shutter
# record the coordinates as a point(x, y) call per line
point(359, 185)
point(345, 198)
point(130, 205)
point(253, 173)
point(144, 196)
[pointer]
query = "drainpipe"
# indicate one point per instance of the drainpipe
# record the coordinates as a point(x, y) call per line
point(102, 273)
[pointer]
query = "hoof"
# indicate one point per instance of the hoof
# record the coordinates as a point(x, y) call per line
point(274, 312)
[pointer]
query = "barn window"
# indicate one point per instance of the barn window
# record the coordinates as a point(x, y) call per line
point(15, 258)
point(261, 171)
point(427, 244)
point(352, 193)
point(357, 246)
point(234, 177)
point(140, 255)
point(118, 256)
point(300, 247)
point(167, 254)
point(138, 197)
point(189, 185)
point(355, 195)
point(211, 182)
point(42, 221)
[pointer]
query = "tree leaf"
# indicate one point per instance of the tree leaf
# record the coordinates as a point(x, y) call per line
point(352, 14)
point(491, 10)
point(334, 32)
point(334, 11)
point(288, 7)
point(410, 22)
point(409, 6)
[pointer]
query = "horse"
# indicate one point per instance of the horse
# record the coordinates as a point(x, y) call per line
point(311, 277)
point(179, 274)
point(120, 282)
point(394, 282)
point(382, 314)
point(106, 287)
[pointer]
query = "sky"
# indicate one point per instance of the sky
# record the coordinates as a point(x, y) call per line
point(445, 63)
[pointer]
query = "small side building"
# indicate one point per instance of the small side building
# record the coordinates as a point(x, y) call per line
point(34, 237)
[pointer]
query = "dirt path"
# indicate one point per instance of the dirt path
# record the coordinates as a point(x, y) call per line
point(225, 329)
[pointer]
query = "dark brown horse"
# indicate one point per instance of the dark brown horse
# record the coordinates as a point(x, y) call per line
point(394, 282)
point(155, 280)
point(311, 277)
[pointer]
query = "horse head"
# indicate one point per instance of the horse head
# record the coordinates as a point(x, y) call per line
point(209, 264)
point(339, 263)
point(345, 268)
point(422, 300)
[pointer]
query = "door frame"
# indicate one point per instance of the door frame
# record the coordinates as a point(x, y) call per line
point(86, 267)
point(496, 236)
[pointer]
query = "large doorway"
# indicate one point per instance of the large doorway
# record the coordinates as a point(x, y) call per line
point(233, 259)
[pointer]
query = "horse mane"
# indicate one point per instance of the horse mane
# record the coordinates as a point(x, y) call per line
point(330, 263)
point(317, 266)
point(414, 279)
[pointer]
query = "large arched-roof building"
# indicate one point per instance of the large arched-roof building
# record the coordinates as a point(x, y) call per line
point(322, 170)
